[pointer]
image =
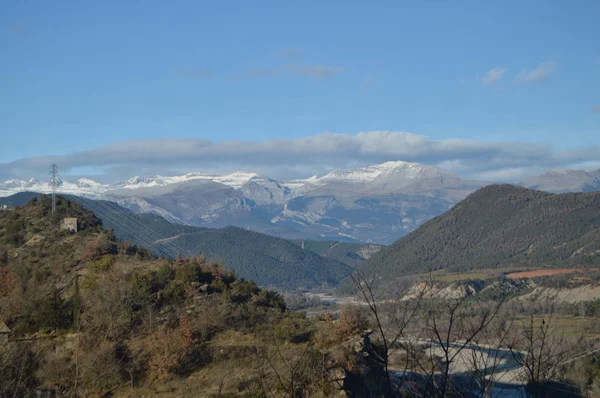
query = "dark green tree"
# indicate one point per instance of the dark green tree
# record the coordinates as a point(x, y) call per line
point(56, 314)
point(76, 304)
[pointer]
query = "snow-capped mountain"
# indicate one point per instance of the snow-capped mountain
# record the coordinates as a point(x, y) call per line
point(90, 188)
point(398, 170)
point(236, 180)
point(82, 187)
point(377, 203)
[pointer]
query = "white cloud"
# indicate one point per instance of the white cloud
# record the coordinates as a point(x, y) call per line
point(493, 75)
point(306, 156)
point(539, 73)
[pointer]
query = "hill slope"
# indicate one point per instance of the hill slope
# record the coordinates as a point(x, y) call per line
point(265, 259)
point(268, 260)
point(498, 226)
point(89, 316)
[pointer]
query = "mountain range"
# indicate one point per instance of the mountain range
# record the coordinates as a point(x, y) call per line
point(378, 203)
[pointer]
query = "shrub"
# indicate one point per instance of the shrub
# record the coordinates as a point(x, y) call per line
point(103, 264)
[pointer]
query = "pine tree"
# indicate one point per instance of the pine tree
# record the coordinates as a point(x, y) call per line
point(4, 257)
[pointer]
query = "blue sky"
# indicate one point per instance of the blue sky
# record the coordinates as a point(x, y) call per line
point(81, 77)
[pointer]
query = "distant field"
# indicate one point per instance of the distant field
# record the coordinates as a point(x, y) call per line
point(510, 272)
point(476, 274)
point(459, 277)
point(548, 272)
point(568, 325)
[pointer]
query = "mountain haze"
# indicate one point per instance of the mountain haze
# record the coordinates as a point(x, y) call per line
point(560, 181)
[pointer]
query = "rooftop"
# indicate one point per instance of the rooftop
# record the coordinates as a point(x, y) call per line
point(4, 328)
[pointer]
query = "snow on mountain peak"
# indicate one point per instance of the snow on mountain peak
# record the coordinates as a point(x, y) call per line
point(87, 183)
point(134, 180)
point(14, 183)
point(396, 172)
point(235, 180)
point(394, 164)
point(406, 170)
point(31, 182)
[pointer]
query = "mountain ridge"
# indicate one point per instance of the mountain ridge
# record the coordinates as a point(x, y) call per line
point(495, 227)
point(373, 204)
point(236, 179)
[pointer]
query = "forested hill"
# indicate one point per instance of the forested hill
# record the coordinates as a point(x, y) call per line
point(265, 259)
point(498, 226)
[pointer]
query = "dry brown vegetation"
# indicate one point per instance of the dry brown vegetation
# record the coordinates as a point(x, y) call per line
point(95, 317)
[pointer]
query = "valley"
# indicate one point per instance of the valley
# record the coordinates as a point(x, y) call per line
point(336, 306)
point(313, 199)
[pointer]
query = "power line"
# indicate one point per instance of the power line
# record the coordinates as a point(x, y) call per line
point(54, 182)
point(128, 222)
point(142, 235)
point(154, 235)
point(104, 211)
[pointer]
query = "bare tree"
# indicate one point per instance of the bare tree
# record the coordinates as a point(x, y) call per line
point(485, 357)
point(390, 326)
point(293, 370)
point(443, 333)
point(540, 348)
point(18, 364)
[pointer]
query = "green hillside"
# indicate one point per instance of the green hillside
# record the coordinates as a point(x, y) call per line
point(498, 226)
point(268, 260)
point(263, 258)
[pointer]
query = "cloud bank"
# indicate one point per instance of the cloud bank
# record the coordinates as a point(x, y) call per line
point(306, 156)
point(539, 73)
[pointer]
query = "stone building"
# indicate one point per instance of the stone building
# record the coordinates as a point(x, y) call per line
point(69, 223)
point(4, 333)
